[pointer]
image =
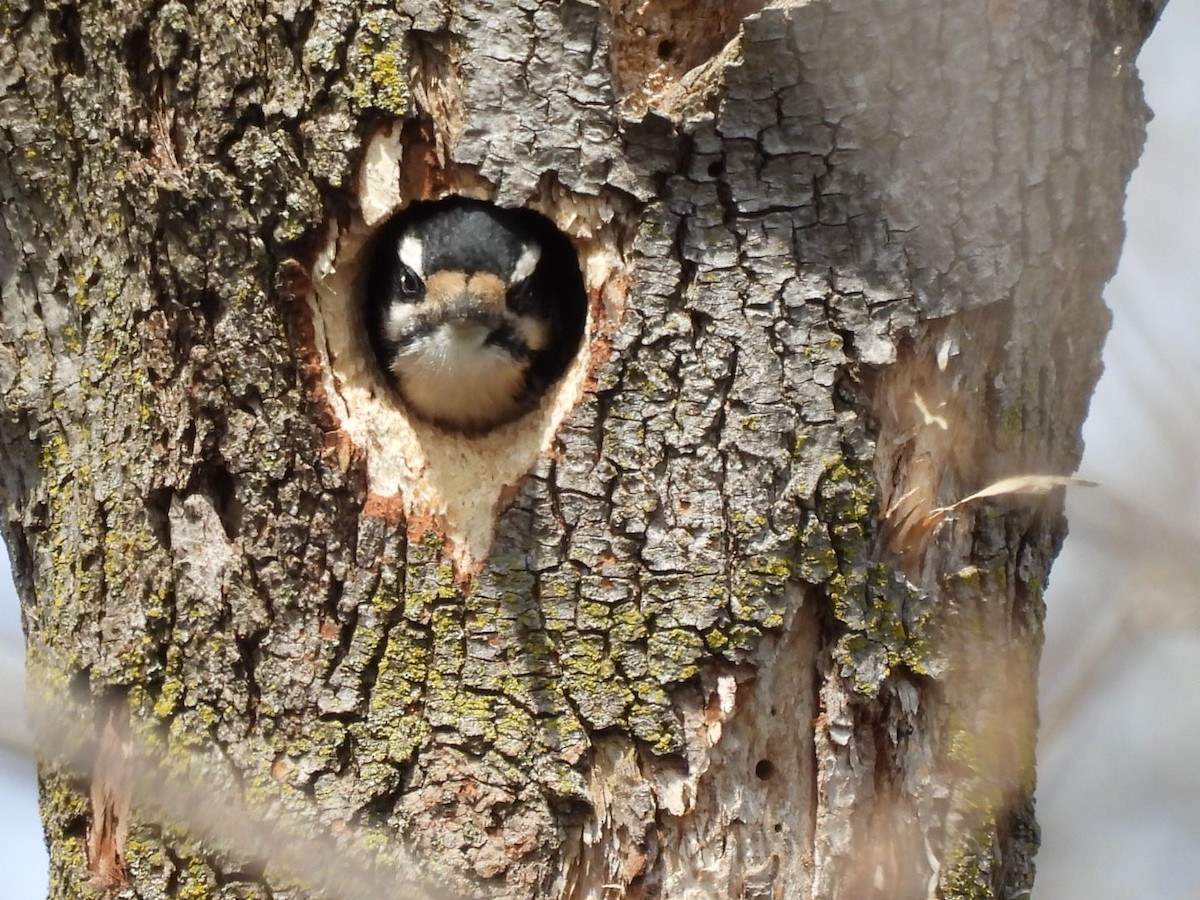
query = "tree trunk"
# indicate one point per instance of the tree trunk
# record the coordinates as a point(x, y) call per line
point(693, 628)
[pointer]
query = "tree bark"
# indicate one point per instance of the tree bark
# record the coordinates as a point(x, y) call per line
point(689, 629)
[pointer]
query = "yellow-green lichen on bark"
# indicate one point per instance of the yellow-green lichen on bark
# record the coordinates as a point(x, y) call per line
point(887, 619)
point(377, 65)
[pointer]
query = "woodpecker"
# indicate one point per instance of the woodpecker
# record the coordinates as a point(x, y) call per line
point(472, 310)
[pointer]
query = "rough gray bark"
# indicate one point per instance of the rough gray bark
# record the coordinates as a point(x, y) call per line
point(680, 633)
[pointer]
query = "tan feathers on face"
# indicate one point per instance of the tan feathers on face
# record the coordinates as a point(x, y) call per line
point(443, 288)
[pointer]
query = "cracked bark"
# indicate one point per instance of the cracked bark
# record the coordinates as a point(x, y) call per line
point(672, 635)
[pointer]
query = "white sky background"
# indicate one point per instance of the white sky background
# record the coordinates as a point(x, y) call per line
point(1119, 771)
point(1119, 762)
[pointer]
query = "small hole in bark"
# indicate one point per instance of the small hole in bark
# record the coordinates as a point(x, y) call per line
point(665, 49)
point(472, 310)
point(219, 485)
point(778, 828)
point(764, 769)
point(157, 502)
point(716, 169)
point(80, 686)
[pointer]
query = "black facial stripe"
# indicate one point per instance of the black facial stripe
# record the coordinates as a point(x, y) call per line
point(415, 329)
point(508, 338)
point(522, 299)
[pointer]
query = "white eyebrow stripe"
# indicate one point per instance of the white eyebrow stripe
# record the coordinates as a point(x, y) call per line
point(412, 254)
point(530, 257)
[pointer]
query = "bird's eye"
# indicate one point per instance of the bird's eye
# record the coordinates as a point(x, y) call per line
point(410, 284)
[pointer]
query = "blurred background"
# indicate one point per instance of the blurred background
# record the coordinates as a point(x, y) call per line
point(1119, 760)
